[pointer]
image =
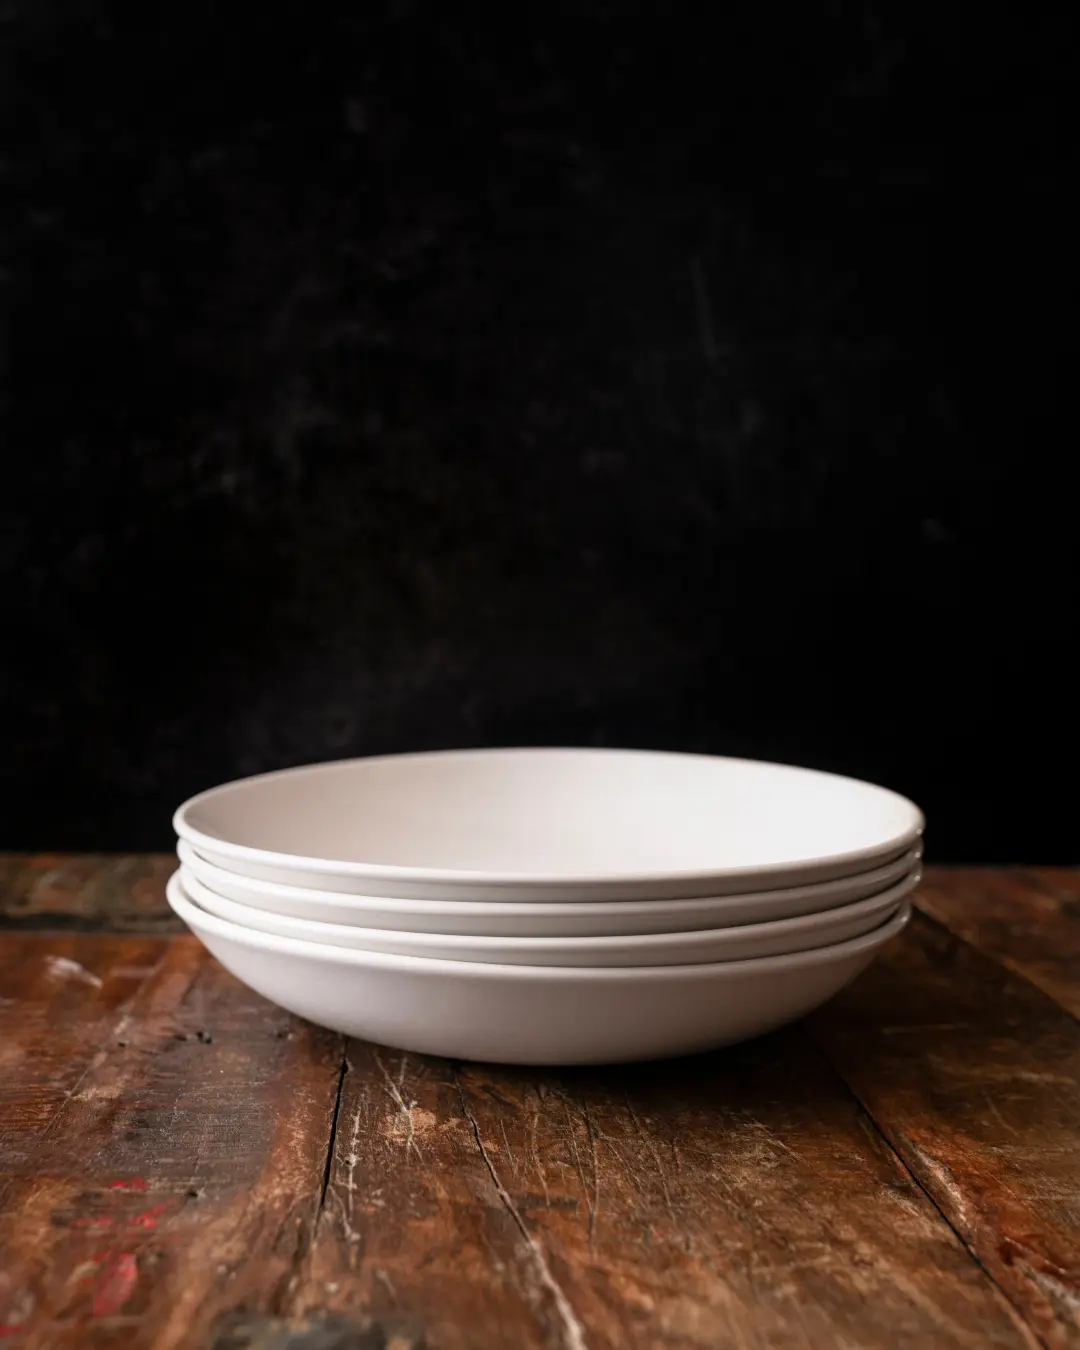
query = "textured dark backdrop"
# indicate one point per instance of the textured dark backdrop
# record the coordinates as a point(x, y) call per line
point(385, 380)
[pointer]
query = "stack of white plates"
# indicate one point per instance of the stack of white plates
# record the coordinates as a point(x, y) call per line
point(547, 906)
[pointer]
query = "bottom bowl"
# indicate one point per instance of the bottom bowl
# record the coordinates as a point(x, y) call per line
point(532, 1014)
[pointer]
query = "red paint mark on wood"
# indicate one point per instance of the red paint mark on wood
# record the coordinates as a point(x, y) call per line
point(149, 1217)
point(117, 1284)
point(132, 1184)
point(10, 1329)
point(103, 1221)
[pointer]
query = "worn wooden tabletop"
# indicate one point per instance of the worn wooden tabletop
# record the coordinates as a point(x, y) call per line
point(184, 1165)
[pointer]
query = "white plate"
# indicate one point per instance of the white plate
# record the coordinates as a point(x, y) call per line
point(507, 919)
point(544, 825)
point(532, 1014)
point(645, 949)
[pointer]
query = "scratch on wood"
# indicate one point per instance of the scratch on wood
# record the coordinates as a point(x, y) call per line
point(393, 1089)
point(650, 1144)
point(383, 1276)
point(594, 1203)
point(936, 1182)
point(573, 1330)
point(943, 1189)
point(63, 968)
point(347, 1205)
point(572, 1132)
point(1055, 1289)
point(534, 1152)
point(506, 1147)
point(351, 1234)
point(993, 1108)
point(623, 1161)
point(119, 1028)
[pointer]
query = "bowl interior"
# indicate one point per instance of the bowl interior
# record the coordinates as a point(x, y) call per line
point(552, 814)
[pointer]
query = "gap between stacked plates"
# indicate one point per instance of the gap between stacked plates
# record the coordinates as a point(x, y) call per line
point(643, 949)
point(545, 918)
point(532, 1014)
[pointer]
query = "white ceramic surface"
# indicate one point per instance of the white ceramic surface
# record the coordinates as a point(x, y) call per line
point(702, 947)
point(542, 825)
point(552, 919)
point(532, 1014)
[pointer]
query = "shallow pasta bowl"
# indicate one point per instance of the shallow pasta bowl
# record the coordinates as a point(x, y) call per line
point(549, 825)
point(532, 1014)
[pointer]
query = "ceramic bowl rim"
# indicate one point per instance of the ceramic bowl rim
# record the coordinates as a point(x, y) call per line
point(190, 858)
point(880, 853)
point(329, 954)
point(891, 897)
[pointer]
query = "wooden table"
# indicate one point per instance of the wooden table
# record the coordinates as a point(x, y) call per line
point(182, 1164)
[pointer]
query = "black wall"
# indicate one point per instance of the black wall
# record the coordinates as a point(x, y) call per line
point(387, 379)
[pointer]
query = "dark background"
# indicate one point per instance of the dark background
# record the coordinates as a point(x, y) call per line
point(386, 378)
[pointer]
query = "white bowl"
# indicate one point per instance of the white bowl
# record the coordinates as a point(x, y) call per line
point(493, 918)
point(542, 825)
point(532, 1014)
point(644, 949)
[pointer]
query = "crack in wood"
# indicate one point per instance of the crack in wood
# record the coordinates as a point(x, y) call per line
point(284, 1301)
point(942, 1215)
point(968, 905)
point(344, 1069)
point(573, 1330)
point(878, 1132)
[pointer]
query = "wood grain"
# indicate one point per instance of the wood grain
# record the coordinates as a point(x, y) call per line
point(1028, 919)
point(183, 1165)
point(178, 1180)
point(63, 1005)
point(973, 1075)
point(93, 892)
point(740, 1198)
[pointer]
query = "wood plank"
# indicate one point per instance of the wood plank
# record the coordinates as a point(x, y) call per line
point(176, 1187)
point(973, 1074)
point(89, 892)
point(1057, 879)
point(740, 1198)
point(63, 1004)
point(1029, 919)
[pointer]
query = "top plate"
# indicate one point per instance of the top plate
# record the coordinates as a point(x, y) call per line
point(548, 824)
